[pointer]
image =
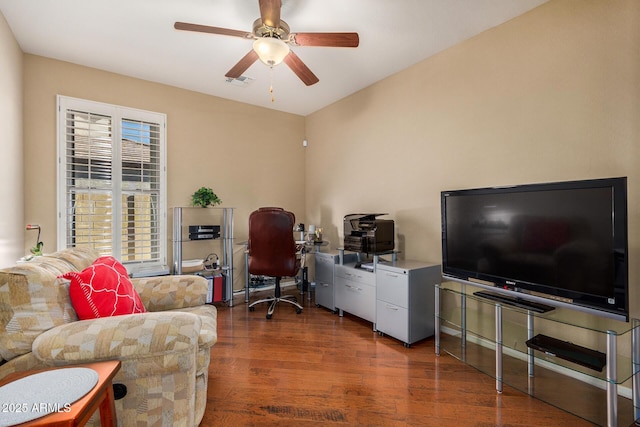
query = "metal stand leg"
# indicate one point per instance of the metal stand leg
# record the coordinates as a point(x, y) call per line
point(227, 252)
point(463, 323)
point(612, 387)
point(177, 241)
point(530, 358)
point(499, 348)
point(635, 350)
point(437, 319)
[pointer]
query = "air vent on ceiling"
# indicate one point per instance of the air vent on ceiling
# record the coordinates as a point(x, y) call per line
point(242, 81)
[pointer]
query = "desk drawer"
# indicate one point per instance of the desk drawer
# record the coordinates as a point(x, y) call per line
point(393, 321)
point(356, 298)
point(356, 275)
point(324, 268)
point(325, 295)
point(393, 287)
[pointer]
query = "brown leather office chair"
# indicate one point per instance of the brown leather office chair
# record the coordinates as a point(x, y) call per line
point(273, 252)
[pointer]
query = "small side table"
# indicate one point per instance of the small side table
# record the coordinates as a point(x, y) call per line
point(100, 397)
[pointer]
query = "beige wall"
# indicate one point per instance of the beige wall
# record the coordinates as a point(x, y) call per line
point(12, 220)
point(551, 95)
point(249, 156)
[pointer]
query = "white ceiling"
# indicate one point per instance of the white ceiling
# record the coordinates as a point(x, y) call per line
point(137, 38)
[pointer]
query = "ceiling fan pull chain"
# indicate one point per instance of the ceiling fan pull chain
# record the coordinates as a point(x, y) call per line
point(271, 85)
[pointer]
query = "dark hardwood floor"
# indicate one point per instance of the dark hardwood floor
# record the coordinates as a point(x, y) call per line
point(317, 368)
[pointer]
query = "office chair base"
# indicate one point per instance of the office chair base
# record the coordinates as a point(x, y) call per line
point(275, 300)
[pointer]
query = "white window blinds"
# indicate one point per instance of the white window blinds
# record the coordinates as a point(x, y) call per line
point(112, 182)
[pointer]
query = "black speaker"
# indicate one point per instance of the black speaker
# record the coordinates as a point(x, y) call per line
point(119, 391)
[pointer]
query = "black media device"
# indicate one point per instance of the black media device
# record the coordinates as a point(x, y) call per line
point(204, 232)
point(562, 243)
point(568, 351)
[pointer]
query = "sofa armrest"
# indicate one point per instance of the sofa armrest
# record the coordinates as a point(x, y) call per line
point(171, 292)
point(147, 336)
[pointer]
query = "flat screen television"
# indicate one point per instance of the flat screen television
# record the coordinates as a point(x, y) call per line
point(562, 242)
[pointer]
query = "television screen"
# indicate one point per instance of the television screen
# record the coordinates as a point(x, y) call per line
point(566, 241)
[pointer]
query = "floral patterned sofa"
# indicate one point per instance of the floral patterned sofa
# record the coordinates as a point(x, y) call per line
point(165, 352)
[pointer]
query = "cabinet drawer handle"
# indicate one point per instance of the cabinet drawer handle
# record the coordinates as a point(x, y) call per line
point(392, 307)
point(391, 275)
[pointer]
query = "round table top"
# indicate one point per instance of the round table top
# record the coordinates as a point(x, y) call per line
point(43, 393)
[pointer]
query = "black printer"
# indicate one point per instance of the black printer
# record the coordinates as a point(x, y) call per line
point(365, 233)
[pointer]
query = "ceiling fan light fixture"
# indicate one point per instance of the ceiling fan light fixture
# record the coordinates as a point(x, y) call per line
point(270, 50)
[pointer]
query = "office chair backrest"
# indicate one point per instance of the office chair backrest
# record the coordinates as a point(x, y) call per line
point(272, 249)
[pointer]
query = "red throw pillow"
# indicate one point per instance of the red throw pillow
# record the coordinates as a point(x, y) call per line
point(103, 289)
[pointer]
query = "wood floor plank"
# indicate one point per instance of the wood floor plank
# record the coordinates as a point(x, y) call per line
point(318, 368)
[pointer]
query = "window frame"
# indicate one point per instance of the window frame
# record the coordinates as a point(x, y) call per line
point(118, 115)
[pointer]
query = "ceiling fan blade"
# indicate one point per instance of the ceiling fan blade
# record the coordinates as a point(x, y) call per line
point(300, 69)
point(212, 30)
point(325, 39)
point(242, 65)
point(270, 12)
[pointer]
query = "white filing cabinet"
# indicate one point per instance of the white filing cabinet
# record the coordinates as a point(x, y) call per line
point(325, 263)
point(405, 299)
point(355, 292)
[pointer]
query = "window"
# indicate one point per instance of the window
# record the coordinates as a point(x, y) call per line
point(112, 182)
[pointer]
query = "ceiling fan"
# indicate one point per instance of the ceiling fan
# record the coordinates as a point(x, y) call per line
point(272, 39)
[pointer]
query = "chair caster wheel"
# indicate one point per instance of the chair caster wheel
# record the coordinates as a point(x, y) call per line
point(252, 308)
point(298, 311)
point(268, 316)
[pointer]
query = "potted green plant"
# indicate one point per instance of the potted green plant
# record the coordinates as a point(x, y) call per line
point(205, 197)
